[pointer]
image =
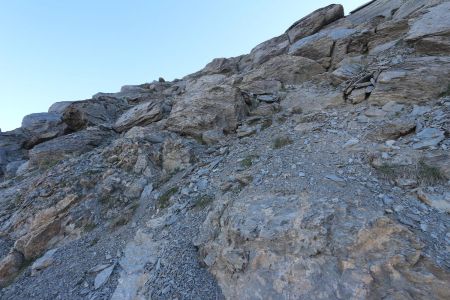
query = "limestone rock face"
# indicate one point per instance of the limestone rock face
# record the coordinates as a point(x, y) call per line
point(212, 106)
point(314, 22)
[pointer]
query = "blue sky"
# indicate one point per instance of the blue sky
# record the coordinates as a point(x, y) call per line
point(69, 50)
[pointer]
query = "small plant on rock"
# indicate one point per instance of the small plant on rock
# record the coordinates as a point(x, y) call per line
point(247, 162)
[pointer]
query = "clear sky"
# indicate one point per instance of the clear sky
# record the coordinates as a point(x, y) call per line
point(53, 50)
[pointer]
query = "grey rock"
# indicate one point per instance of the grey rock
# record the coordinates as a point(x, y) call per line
point(140, 115)
point(50, 152)
point(268, 98)
point(319, 45)
point(434, 22)
point(207, 105)
point(212, 137)
point(417, 79)
point(265, 51)
point(314, 22)
point(286, 69)
point(428, 137)
point(103, 277)
point(41, 127)
point(43, 262)
point(79, 115)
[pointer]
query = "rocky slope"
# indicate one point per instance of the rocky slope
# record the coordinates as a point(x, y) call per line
point(315, 167)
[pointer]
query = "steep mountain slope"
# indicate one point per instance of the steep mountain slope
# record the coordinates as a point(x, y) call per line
point(314, 167)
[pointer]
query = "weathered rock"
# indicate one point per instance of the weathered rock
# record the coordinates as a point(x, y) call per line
point(221, 66)
point(11, 147)
point(211, 137)
point(41, 127)
point(441, 162)
point(428, 137)
point(140, 115)
point(287, 69)
point(79, 115)
point(314, 22)
point(348, 68)
point(261, 87)
point(44, 229)
point(430, 33)
point(217, 107)
point(312, 98)
point(103, 277)
point(433, 23)
point(12, 167)
point(43, 262)
point(393, 130)
point(285, 245)
point(59, 107)
point(10, 267)
point(265, 51)
point(357, 96)
point(50, 152)
point(373, 9)
point(176, 156)
point(139, 253)
point(319, 45)
point(417, 79)
point(440, 202)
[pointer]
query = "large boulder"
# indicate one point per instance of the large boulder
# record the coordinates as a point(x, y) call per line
point(41, 127)
point(139, 115)
point(209, 103)
point(295, 247)
point(50, 152)
point(417, 79)
point(315, 21)
point(79, 115)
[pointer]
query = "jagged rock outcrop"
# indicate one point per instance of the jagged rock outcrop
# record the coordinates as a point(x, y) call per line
point(314, 22)
point(100, 111)
point(208, 103)
point(314, 167)
point(139, 115)
point(41, 127)
point(50, 152)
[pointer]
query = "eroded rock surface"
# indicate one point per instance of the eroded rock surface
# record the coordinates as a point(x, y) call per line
point(314, 167)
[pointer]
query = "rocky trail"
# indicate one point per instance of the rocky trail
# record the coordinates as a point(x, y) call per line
point(315, 167)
